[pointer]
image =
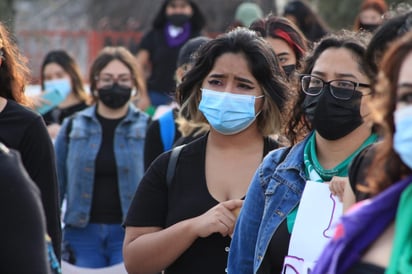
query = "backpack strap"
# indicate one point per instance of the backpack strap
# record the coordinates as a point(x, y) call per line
point(167, 129)
point(171, 166)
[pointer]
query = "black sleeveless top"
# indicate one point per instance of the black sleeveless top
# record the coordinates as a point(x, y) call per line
point(155, 204)
point(365, 268)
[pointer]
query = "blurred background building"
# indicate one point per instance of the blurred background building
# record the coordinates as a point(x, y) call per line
point(83, 27)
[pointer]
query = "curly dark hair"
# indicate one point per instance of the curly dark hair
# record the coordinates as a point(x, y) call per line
point(387, 166)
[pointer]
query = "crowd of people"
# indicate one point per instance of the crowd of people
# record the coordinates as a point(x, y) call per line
point(279, 146)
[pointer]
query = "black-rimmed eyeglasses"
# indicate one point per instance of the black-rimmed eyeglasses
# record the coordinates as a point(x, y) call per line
point(109, 80)
point(340, 89)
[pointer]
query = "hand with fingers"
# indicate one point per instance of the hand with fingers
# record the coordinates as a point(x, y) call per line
point(219, 219)
point(38, 101)
point(337, 186)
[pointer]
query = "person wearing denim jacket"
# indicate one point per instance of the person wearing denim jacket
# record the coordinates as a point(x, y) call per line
point(76, 173)
point(329, 126)
point(275, 190)
point(99, 153)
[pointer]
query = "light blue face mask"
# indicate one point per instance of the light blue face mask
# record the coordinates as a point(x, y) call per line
point(226, 112)
point(62, 86)
point(402, 139)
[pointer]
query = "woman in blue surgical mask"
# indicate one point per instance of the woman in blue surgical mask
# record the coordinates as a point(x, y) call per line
point(375, 235)
point(237, 87)
point(63, 90)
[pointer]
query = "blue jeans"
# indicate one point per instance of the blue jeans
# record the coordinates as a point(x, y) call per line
point(94, 246)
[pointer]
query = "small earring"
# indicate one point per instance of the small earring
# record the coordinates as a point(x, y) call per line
point(134, 92)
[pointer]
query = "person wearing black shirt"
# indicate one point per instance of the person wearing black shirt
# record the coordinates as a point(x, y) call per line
point(175, 23)
point(99, 154)
point(237, 84)
point(25, 131)
point(23, 233)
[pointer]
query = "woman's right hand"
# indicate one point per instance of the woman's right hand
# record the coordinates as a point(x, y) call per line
point(142, 244)
point(38, 101)
point(219, 219)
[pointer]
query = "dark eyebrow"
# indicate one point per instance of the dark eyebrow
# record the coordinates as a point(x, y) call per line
point(337, 75)
point(119, 75)
point(283, 53)
point(220, 76)
point(405, 85)
point(318, 73)
point(345, 75)
point(240, 79)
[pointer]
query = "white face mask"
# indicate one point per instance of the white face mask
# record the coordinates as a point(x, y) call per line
point(402, 139)
point(226, 112)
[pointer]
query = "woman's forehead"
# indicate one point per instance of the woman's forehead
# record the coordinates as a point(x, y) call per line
point(338, 61)
point(232, 63)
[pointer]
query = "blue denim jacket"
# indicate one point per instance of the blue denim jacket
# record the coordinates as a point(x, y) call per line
point(274, 191)
point(76, 154)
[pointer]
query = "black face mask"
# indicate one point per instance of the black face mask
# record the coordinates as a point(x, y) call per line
point(178, 20)
point(333, 118)
point(368, 27)
point(289, 69)
point(114, 96)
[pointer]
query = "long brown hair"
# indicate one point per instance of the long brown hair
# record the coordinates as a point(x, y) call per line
point(387, 167)
point(14, 73)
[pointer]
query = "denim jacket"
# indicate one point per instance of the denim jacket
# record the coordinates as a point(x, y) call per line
point(274, 192)
point(76, 153)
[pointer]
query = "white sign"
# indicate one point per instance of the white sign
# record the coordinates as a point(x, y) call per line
point(318, 212)
point(72, 269)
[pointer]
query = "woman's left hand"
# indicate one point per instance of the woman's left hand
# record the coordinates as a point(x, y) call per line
point(337, 186)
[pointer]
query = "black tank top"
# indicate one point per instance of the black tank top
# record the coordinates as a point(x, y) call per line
point(365, 268)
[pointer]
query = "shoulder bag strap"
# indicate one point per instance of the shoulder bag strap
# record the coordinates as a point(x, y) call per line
point(174, 156)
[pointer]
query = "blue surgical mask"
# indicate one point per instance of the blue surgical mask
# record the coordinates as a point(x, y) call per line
point(402, 139)
point(226, 112)
point(62, 86)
